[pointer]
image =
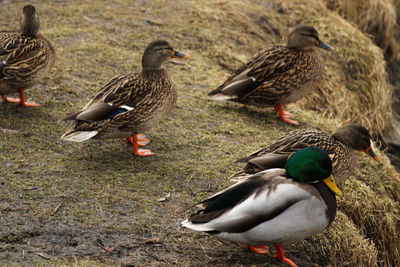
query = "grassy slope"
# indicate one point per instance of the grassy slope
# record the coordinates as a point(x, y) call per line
point(109, 198)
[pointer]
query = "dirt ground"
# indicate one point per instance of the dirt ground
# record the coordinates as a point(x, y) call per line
point(94, 203)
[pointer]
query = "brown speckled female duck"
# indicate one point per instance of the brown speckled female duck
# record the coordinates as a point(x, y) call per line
point(278, 75)
point(340, 146)
point(25, 58)
point(129, 103)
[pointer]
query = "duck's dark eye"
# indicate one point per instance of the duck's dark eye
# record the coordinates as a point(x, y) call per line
point(312, 36)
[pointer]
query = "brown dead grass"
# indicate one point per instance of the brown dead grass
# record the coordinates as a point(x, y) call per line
point(370, 213)
point(375, 17)
point(347, 245)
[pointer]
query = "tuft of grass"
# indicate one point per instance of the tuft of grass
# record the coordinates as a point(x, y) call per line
point(375, 17)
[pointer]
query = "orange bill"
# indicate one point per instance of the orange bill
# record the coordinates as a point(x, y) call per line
point(178, 54)
point(371, 153)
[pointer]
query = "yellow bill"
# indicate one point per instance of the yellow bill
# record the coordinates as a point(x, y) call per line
point(330, 182)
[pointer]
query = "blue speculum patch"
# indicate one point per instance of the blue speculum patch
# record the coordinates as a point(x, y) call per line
point(118, 111)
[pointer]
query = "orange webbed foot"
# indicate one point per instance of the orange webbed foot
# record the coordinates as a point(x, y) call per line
point(281, 255)
point(10, 100)
point(22, 100)
point(285, 115)
point(290, 121)
point(144, 152)
point(258, 249)
point(288, 115)
point(29, 104)
point(140, 140)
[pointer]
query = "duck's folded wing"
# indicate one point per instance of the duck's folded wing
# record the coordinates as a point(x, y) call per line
point(109, 87)
point(248, 204)
point(270, 160)
point(270, 63)
point(96, 112)
point(265, 65)
point(121, 94)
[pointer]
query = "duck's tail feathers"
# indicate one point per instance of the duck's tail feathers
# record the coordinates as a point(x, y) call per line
point(78, 136)
point(197, 227)
point(223, 97)
point(216, 91)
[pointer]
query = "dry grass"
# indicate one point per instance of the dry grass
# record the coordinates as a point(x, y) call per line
point(110, 198)
point(375, 17)
point(343, 244)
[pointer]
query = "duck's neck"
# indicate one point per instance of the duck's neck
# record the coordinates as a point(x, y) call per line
point(330, 200)
point(29, 26)
point(154, 73)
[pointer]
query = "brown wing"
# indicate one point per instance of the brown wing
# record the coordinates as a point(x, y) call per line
point(122, 90)
point(264, 65)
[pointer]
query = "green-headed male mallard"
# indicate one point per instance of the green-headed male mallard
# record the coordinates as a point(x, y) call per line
point(340, 146)
point(278, 75)
point(129, 103)
point(25, 58)
point(275, 206)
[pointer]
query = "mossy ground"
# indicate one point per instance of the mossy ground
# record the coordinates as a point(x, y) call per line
point(96, 204)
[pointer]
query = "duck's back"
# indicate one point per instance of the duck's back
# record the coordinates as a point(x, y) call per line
point(343, 158)
point(25, 60)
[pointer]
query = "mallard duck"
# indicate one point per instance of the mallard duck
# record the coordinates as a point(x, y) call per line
point(129, 103)
point(278, 75)
point(25, 58)
point(275, 206)
point(340, 146)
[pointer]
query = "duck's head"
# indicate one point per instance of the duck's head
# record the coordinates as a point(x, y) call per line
point(305, 37)
point(312, 164)
point(29, 22)
point(157, 52)
point(356, 137)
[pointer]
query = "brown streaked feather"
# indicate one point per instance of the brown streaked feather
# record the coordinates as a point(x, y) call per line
point(266, 64)
point(27, 59)
point(343, 158)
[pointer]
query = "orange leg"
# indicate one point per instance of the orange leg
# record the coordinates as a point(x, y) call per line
point(285, 115)
point(281, 255)
point(22, 100)
point(258, 249)
point(138, 140)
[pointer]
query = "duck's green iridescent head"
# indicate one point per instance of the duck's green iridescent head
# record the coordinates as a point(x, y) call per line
point(312, 164)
